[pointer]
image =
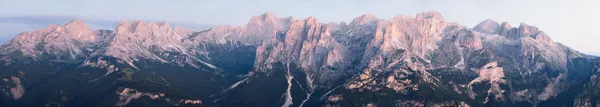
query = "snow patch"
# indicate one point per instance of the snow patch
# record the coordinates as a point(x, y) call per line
point(236, 84)
point(309, 91)
point(288, 93)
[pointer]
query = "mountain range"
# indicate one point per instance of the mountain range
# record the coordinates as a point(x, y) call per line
point(406, 60)
point(13, 25)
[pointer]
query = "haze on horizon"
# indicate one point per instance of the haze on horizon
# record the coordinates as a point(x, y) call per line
point(573, 23)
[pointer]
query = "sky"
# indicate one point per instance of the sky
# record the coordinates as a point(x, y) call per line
point(574, 23)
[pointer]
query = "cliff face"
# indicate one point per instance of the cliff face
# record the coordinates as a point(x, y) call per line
point(402, 61)
point(407, 53)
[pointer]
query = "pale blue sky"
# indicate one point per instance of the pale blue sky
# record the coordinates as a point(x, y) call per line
point(571, 22)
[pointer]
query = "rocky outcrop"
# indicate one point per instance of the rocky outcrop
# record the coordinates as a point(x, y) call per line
point(259, 28)
point(509, 32)
point(363, 19)
point(487, 26)
point(492, 74)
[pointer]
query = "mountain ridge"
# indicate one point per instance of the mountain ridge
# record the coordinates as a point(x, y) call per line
point(399, 61)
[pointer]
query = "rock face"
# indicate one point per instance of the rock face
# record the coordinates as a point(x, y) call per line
point(406, 60)
point(137, 40)
point(487, 26)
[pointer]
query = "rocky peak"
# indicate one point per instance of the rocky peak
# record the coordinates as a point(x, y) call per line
point(311, 20)
point(533, 32)
point(164, 26)
point(138, 26)
point(523, 30)
point(261, 28)
point(267, 17)
point(79, 29)
point(417, 36)
point(508, 31)
point(527, 31)
point(123, 27)
point(435, 15)
point(143, 28)
point(505, 25)
point(488, 26)
point(141, 40)
point(364, 19)
point(300, 30)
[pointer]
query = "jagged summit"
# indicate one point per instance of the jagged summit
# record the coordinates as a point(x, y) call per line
point(268, 15)
point(527, 30)
point(259, 28)
point(311, 18)
point(163, 24)
point(134, 39)
point(79, 29)
point(514, 33)
point(505, 25)
point(368, 18)
point(487, 26)
point(141, 26)
point(430, 15)
point(364, 19)
point(124, 26)
point(75, 23)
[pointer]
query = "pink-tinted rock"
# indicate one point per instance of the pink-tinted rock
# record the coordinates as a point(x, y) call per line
point(487, 26)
